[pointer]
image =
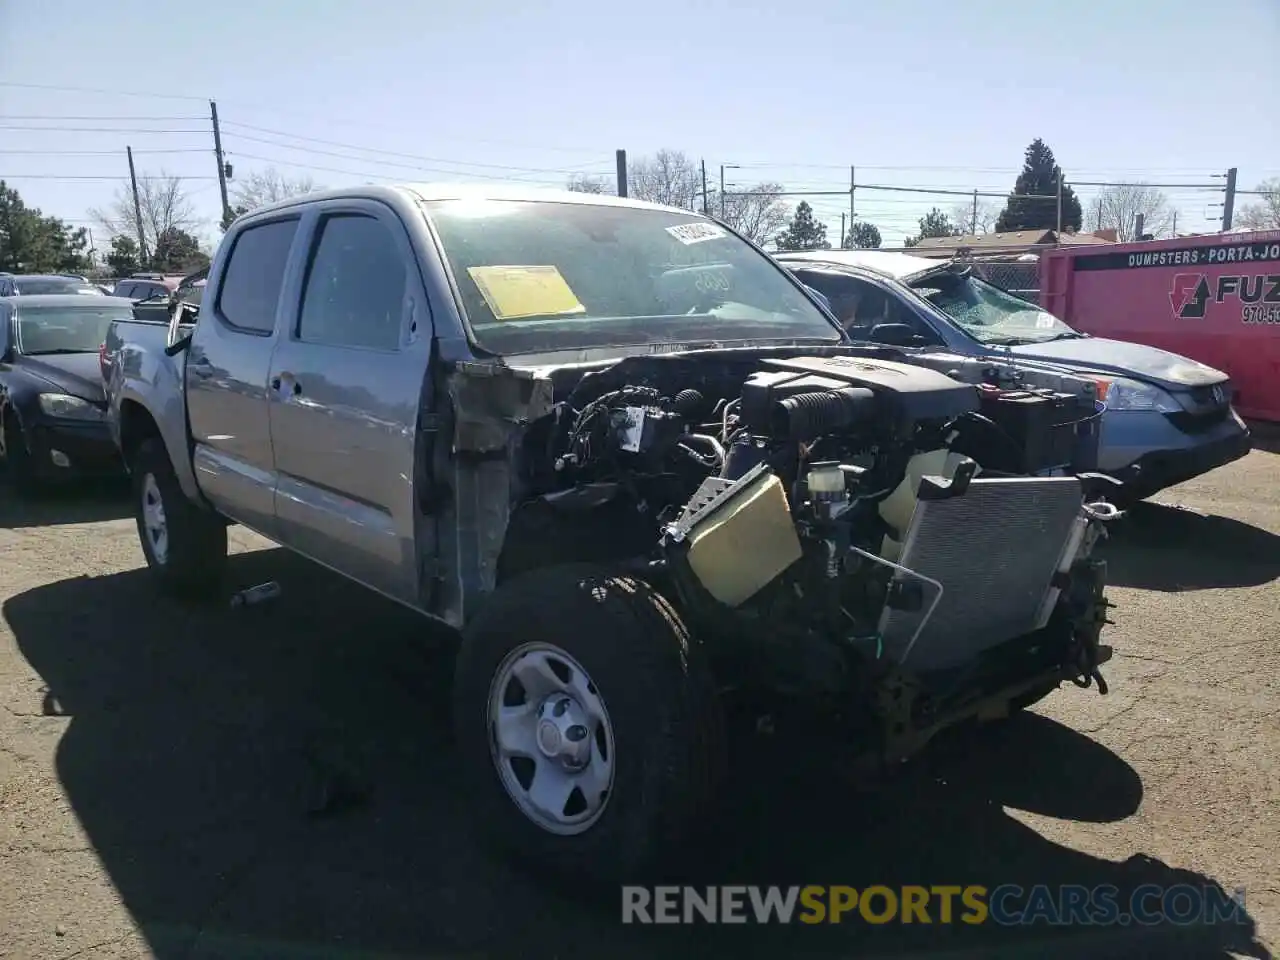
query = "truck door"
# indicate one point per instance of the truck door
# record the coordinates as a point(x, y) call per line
point(345, 385)
point(226, 375)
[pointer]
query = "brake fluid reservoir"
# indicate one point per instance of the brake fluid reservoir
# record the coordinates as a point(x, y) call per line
point(825, 481)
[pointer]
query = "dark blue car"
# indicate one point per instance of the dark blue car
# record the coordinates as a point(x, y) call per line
point(52, 406)
point(1168, 418)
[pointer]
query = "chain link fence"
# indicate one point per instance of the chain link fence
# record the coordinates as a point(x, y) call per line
point(1019, 277)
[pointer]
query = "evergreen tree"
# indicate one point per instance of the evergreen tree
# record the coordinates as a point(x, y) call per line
point(30, 242)
point(1033, 205)
point(178, 252)
point(862, 236)
point(123, 258)
point(804, 232)
point(935, 223)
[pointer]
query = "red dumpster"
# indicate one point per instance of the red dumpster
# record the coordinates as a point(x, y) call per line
point(1213, 298)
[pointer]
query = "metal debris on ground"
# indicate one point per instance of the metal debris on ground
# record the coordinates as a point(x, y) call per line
point(253, 595)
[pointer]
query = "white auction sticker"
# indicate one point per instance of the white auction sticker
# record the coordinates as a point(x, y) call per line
point(688, 233)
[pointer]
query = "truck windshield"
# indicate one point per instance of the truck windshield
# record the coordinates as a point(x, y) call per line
point(988, 313)
point(539, 276)
point(46, 330)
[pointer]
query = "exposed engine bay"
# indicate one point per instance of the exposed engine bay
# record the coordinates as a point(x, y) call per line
point(920, 532)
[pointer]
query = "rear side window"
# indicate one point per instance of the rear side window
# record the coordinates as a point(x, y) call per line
point(254, 275)
point(125, 288)
point(355, 285)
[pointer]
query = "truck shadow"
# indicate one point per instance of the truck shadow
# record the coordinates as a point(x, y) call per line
point(87, 502)
point(1158, 547)
point(276, 781)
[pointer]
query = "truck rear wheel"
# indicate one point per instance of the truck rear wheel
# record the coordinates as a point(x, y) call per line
point(185, 546)
point(589, 732)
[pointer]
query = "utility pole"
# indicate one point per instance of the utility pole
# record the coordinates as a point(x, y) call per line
point(1059, 230)
point(620, 165)
point(705, 201)
point(1175, 224)
point(853, 214)
point(137, 210)
point(222, 163)
point(1140, 221)
point(1229, 202)
point(722, 191)
point(842, 233)
point(973, 228)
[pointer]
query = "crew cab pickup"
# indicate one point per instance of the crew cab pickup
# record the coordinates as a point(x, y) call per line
point(640, 471)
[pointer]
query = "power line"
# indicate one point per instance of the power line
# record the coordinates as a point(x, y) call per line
point(376, 176)
point(98, 90)
point(391, 163)
point(388, 153)
point(98, 153)
point(100, 119)
point(70, 176)
point(7, 126)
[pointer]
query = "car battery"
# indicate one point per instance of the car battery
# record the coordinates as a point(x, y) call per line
point(1050, 431)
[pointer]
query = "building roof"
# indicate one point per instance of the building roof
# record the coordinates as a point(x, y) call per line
point(1012, 241)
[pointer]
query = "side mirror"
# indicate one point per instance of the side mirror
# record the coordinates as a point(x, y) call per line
point(896, 335)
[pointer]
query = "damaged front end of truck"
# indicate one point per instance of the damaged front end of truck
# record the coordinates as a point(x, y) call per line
point(820, 520)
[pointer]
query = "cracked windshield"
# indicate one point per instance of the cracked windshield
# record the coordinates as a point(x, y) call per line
point(990, 314)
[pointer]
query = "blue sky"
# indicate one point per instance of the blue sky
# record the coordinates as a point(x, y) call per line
point(912, 93)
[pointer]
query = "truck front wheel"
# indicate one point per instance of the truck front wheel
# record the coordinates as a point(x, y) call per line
point(185, 546)
point(589, 732)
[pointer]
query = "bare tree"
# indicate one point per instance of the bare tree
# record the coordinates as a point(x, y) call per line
point(758, 213)
point(669, 177)
point(975, 224)
point(164, 205)
point(1117, 208)
point(268, 186)
point(586, 183)
point(1265, 214)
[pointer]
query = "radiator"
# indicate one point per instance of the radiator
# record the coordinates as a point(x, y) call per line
point(994, 549)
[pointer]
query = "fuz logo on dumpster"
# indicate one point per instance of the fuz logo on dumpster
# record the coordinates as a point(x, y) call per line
point(1259, 295)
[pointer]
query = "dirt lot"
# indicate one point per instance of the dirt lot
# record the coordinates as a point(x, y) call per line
point(161, 770)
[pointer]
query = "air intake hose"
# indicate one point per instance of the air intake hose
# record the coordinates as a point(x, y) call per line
point(807, 416)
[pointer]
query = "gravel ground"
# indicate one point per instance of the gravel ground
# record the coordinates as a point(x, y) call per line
point(167, 776)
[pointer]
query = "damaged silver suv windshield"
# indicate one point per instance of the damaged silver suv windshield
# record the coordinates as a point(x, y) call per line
point(539, 276)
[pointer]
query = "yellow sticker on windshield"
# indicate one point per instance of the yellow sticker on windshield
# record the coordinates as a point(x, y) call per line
point(513, 292)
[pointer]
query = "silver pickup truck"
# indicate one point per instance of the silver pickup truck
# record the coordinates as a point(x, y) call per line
point(638, 469)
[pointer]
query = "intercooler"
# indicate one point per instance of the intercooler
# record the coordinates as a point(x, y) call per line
point(994, 549)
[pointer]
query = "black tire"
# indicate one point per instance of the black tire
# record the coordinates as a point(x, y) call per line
point(194, 562)
point(652, 677)
point(18, 465)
